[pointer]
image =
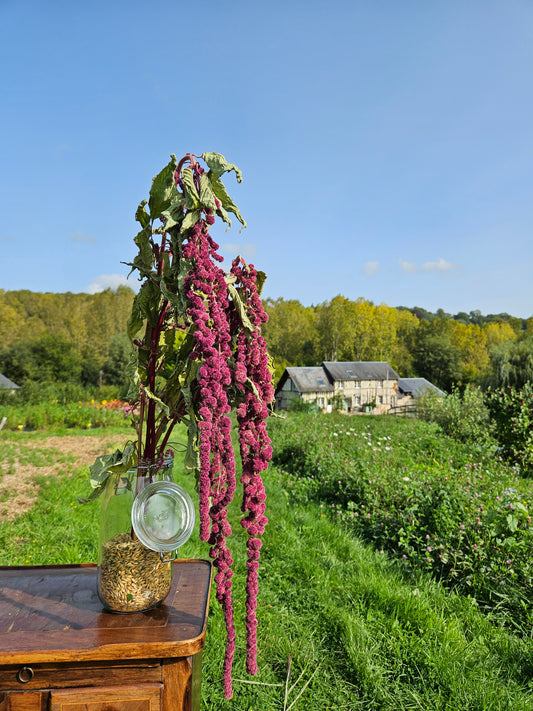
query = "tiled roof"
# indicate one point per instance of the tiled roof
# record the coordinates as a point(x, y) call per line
point(7, 383)
point(310, 379)
point(417, 387)
point(360, 370)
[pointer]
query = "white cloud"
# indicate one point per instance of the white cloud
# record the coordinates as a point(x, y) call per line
point(371, 268)
point(80, 237)
point(441, 265)
point(408, 267)
point(247, 251)
point(110, 281)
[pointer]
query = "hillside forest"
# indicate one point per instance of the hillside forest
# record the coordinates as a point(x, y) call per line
point(81, 338)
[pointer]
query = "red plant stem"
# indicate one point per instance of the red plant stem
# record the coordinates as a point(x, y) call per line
point(187, 158)
point(155, 335)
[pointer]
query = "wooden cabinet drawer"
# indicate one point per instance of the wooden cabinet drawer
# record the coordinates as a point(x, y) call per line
point(50, 676)
point(18, 701)
point(139, 697)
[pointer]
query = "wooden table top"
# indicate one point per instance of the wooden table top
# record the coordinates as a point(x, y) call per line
point(53, 613)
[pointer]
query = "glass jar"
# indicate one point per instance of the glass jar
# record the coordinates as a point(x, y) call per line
point(135, 571)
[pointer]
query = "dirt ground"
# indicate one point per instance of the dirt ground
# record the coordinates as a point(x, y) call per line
point(17, 488)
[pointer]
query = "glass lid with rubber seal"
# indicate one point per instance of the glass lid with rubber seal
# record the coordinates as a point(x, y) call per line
point(163, 516)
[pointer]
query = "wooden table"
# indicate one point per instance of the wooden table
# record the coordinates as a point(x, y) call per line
point(59, 651)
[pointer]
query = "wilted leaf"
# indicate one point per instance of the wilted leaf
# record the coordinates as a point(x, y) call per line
point(190, 219)
point(107, 464)
point(207, 197)
point(218, 165)
point(156, 399)
point(192, 199)
point(227, 203)
point(144, 259)
point(141, 215)
point(241, 308)
point(163, 189)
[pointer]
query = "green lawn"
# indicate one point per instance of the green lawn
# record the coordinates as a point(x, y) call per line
point(354, 628)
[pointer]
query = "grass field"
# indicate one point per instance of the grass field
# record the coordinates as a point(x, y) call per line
point(344, 623)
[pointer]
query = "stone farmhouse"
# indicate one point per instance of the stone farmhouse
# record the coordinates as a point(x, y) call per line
point(363, 386)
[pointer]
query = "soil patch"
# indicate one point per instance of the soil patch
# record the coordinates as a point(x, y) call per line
point(18, 490)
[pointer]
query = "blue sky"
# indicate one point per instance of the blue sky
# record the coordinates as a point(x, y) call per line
point(386, 147)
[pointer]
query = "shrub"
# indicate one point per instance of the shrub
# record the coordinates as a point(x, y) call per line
point(512, 413)
point(457, 512)
point(463, 416)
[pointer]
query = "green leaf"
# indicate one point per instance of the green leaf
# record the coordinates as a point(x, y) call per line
point(218, 165)
point(207, 197)
point(163, 189)
point(260, 282)
point(136, 318)
point(190, 219)
point(224, 215)
point(144, 259)
point(107, 464)
point(241, 308)
point(512, 522)
point(192, 455)
point(192, 199)
point(141, 215)
point(174, 215)
point(227, 203)
point(145, 306)
point(190, 369)
point(166, 265)
point(156, 399)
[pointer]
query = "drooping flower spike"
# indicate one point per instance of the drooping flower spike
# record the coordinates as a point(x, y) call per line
point(201, 357)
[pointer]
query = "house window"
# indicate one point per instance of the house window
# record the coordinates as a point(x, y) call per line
point(380, 384)
point(380, 400)
point(357, 401)
point(340, 385)
point(320, 402)
point(358, 385)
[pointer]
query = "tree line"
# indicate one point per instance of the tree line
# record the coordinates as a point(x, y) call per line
point(81, 338)
point(449, 350)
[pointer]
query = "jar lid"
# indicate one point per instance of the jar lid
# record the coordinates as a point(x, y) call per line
point(163, 516)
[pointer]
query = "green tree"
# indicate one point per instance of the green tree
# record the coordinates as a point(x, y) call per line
point(406, 328)
point(115, 368)
point(46, 359)
point(471, 341)
point(434, 355)
point(290, 333)
point(512, 363)
point(362, 329)
point(335, 327)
